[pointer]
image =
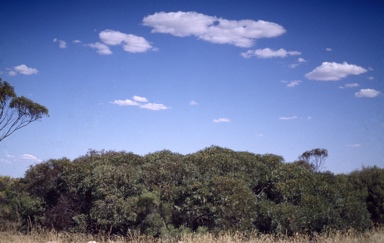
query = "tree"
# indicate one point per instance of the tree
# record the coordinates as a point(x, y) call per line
point(16, 112)
point(315, 158)
point(370, 182)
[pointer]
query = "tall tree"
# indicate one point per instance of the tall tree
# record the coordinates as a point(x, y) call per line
point(16, 112)
point(315, 158)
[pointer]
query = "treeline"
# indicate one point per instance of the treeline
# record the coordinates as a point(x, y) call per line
point(166, 193)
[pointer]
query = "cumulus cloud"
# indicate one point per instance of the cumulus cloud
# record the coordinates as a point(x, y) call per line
point(140, 99)
point(22, 69)
point(241, 33)
point(154, 106)
point(286, 118)
point(328, 49)
point(332, 71)
point(292, 84)
point(62, 44)
point(269, 53)
point(220, 120)
point(352, 85)
point(368, 93)
point(130, 43)
point(141, 102)
point(301, 60)
point(101, 48)
point(126, 102)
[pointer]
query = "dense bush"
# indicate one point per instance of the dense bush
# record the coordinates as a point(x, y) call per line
point(370, 182)
point(165, 193)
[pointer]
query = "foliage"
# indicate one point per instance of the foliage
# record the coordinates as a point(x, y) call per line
point(166, 194)
point(370, 182)
point(16, 112)
point(315, 158)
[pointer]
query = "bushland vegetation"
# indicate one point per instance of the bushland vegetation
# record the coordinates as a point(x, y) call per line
point(166, 194)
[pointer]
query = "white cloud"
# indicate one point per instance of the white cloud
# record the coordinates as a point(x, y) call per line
point(62, 44)
point(192, 102)
point(101, 48)
point(28, 157)
point(23, 69)
point(180, 23)
point(356, 145)
point(301, 60)
point(332, 71)
point(352, 85)
point(12, 73)
point(77, 41)
point(154, 106)
point(269, 53)
point(328, 49)
point(292, 84)
point(371, 78)
point(240, 33)
point(140, 102)
point(220, 120)
point(9, 159)
point(130, 43)
point(140, 99)
point(112, 37)
point(369, 93)
point(288, 117)
point(126, 102)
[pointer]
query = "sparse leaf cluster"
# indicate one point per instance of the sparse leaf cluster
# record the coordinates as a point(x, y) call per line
point(16, 112)
point(315, 158)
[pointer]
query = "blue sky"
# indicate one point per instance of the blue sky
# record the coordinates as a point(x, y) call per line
point(277, 77)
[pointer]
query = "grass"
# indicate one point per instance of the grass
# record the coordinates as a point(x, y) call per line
point(376, 235)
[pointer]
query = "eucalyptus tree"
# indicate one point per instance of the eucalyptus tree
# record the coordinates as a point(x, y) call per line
point(315, 158)
point(16, 112)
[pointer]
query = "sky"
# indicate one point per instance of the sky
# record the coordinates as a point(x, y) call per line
point(279, 77)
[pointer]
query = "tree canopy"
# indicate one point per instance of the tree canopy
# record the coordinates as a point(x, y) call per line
point(315, 158)
point(166, 193)
point(16, 112)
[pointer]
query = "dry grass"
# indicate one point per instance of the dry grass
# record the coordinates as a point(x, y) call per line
point(372, 236)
